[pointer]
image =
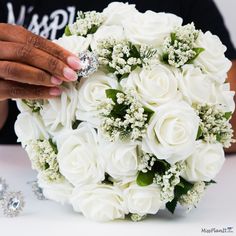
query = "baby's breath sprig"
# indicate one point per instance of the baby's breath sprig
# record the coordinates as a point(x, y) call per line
point(34, 105)
point(214, 125)
point(193, 196)
point(43, 155)
point(169, 180)
point(137, 217)
point(123, 116)
point(121, 57)
point(86, 23)
point(147, 161)
point(179, 46)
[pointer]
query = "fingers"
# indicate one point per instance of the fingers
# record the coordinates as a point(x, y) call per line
point(26, 74)
point(20, 35)
point(37, 58)
point(9, 89)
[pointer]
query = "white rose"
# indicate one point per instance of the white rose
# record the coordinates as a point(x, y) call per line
point(212, 60)
point(99, 202)
point(205, 163)
point(91, 93)
point(78, 156)
point(59, 113)
point(154, 86)
point(28, 127)
point(121, 159)
point(150, 28)
point(143, 200)
point(59, 192)
point(195, 86)
point(224, 96)
point(172, 132)
point(117, 11)
point(74, 43)
point(107, 32)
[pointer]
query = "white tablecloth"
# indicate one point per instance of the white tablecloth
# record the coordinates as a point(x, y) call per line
point(216, 211)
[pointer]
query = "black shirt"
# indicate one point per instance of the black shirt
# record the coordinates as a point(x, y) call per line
point(49, 18)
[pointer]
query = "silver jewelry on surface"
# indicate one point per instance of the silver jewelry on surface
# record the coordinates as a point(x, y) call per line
point(12, 204)
point(38, 192)
point(89, 63)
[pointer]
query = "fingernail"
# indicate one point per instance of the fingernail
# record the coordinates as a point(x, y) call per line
point(56, 81)
point(70, 74)
point(74, 62)
point(55, 92)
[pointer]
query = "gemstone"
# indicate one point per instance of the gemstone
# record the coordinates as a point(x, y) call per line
point(12, 204)
point(89, 64)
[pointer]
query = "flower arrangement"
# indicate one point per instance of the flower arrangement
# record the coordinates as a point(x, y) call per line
point(146, 131)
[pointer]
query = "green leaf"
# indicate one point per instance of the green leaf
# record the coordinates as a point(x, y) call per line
point(182, 188)
point(134, 52)
point(199, 133)
point(76, 124)
point(210, 182)
point(218, 137)
point(145, 179)
point(171, 206)
point(46, 166)
point(93, 29)
point(123, 76)
point(165, 58)
point(198, 51)
point(119, 111)
point(228, 115)
point(67, 31)
point(111, 93)
point(53, 145)
point(161, 166)
point(110, 69)
point(149, 113)
point(173, 37)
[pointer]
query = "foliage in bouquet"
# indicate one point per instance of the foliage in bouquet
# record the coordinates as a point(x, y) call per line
point(146, 131)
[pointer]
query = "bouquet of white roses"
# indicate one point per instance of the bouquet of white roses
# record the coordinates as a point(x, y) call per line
point(143, 132)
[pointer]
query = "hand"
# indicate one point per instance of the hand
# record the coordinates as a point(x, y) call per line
point(32, 67)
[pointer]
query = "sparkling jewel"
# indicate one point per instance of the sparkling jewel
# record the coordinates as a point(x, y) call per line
point(89, 64)
point(12, 204)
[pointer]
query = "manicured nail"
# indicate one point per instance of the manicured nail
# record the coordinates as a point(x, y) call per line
point(70, 74)
point(56, 81)
point(55, 92)
point(74, 62)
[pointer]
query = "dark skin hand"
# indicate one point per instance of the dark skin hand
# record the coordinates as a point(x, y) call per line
point(31, 66)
